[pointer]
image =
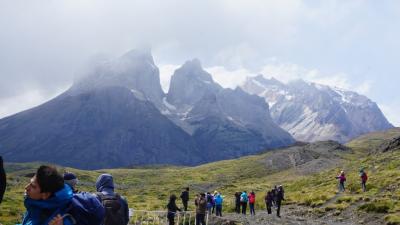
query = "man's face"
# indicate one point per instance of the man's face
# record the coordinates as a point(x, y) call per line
point(33, 190)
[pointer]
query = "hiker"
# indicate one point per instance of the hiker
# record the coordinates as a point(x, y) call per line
point(243, 201)
point(172, 209)
point(201, 205)
point(213, 202)
point(279, 199)
point(280, 188)
point(3, 180)
point(218, 204)
point(268, 201)
point(117, 211)
point(237, 202)
point(364, 178)
point(342, 179)
point(210, 202)
point(85, 207)
point(252, 200)
point(71, 180)
point(185, 198)
point(274, 192)
point(46, 198)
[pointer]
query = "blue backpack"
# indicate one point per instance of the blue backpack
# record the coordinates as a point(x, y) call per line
point(86, 209)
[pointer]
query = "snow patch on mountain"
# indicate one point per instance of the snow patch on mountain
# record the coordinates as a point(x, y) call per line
point(314, 112)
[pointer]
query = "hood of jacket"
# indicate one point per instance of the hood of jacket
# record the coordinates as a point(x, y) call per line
point(105, 183)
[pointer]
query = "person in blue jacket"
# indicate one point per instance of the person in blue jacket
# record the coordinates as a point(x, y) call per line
point(47, 198)
point(218, 204)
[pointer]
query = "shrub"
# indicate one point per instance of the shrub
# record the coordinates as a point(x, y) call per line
point(377, 207)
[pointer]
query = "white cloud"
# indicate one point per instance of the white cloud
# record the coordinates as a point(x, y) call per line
point(25, 100)
point(391, 111)
point(284, 72)
point(166, 72)
point(228, 78)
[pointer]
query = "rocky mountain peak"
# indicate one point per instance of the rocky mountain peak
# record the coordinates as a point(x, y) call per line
point(313, 112)
point(190, 83)
point(139, 55)
point(135, 70)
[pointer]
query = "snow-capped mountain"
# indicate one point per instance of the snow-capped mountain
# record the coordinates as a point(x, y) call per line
point(117, 115)
point(223, 121)
point(314, 112)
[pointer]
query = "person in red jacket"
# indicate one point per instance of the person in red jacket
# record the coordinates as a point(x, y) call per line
point(252, 200)
point(364, 178)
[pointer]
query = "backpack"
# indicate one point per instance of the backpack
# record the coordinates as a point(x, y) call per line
point(86, 209)
point(114, 209)
point(364, 176)
point(243, 198)
point(252, 199)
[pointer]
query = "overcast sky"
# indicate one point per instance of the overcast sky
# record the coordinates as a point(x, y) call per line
point(349, 44)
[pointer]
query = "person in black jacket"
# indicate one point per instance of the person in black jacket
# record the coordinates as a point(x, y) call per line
point(268, 201)
point(279, 198)
point(185, 198)
point(172, 208)
point(237, 202)
point(3, 180)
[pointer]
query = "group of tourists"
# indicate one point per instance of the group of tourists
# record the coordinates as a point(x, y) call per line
point(206, 203)
point(342, 179)
point(209, 203)
point(53, 199)
point(273, 199)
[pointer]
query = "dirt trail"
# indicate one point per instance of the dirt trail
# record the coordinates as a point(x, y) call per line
point(300, 215)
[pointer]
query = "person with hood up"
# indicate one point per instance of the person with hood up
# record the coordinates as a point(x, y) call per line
point(3, 180)
point(218, 203)
point(172, 209)
point(46, 198)
point(117, 211)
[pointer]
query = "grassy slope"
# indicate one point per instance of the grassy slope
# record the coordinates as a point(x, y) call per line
point(150, 188)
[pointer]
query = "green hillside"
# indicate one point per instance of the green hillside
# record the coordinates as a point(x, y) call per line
point(149, 188)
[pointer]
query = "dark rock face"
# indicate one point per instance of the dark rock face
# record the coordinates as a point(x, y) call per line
point(389, 145)
point(107, 127)
point(312, 112)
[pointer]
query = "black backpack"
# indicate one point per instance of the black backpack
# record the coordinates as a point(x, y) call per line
point(115, 210)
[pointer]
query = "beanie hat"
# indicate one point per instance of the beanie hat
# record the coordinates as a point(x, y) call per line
point(70, 179)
